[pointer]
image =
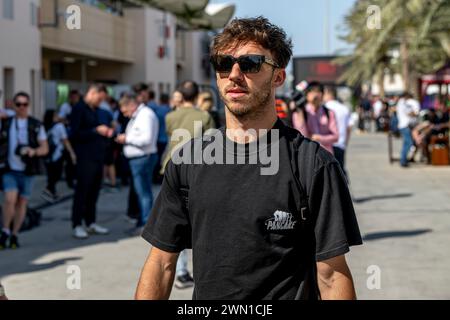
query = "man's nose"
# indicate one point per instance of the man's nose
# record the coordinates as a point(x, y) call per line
point(236, 74)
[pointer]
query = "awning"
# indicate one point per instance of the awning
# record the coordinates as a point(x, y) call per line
point(215, 16)
point(195, 14)
point(177, 7)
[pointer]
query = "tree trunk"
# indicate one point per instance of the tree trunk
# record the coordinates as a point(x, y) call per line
point(380, 81)
point(404, 55)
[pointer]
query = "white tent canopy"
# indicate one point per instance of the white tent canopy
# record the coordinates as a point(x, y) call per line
point(196, 14)
point(178, 7)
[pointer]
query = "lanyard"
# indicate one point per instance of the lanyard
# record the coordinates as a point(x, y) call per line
point(16, 123)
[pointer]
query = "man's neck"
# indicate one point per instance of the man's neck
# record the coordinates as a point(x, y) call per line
point(21, 116)
point(90, 105)
point(260, 124)
point(187, 105)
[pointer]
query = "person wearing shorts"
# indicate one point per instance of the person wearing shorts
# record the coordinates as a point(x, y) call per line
point(26, 141)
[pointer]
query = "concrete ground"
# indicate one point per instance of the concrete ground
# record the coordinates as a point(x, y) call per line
point(404, 216)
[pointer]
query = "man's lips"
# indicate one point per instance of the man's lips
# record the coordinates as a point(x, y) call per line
point(236, 92)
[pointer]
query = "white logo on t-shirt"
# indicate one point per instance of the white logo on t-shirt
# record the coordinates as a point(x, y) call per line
point(281, 221)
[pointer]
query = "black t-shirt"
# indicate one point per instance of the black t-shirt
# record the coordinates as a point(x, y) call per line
point(88, 144)
point(248, 237)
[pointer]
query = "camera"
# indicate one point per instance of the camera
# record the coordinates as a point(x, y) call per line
point(22, 150)
point(299, 98)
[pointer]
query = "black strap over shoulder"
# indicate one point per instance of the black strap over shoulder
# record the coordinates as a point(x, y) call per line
point(308, 289)
point(294, 139)
point(4, 134)
point(327, 113)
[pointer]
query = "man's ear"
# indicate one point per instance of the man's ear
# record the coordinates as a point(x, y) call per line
point(279, 78)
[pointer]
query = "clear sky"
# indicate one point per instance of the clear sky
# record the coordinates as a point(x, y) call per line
point(303, 21)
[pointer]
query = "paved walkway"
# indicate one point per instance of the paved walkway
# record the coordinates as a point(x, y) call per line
point(404, 216)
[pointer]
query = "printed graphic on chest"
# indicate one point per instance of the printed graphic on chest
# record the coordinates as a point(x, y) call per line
point(281, 220)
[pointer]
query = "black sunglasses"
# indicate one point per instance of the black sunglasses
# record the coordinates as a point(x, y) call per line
point(19, 104)
point(249, 63)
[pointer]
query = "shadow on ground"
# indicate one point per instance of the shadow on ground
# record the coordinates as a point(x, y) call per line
point(382, 197)
point(395, 234)
point(54, 235)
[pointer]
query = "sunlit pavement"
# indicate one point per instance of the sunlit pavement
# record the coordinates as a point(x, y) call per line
point(404, 216)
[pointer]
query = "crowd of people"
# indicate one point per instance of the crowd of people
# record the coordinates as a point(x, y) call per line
point(420, 128)
point(96, 141)
point(94, 137)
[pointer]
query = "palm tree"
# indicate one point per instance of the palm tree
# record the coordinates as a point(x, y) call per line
point(416, 29)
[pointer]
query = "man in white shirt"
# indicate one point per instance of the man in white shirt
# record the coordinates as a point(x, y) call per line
point(377, 109)
point(343, 119)
point(406, 114)
point(140, 148)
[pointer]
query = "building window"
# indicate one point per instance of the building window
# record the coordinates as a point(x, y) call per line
point(33, 90)
point(8, 83)
point(34, 14)
point(8, 9)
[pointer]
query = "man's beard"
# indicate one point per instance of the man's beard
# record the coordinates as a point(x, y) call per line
point(253, 106)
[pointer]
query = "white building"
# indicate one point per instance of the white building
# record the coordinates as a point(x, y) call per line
point(119, 43)
point(20, 51)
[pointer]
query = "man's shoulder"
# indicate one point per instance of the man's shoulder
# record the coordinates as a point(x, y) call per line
point(34, 122)
point(311, 155)
point(80, 106)
point(148, 111)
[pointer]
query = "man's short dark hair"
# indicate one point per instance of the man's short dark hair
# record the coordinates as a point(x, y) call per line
point(331, 90)
point(314, 85)
point(151, 94)
point(126, 98)
point(139, 87)
point(74, 92)
point(189, 90)
point(99, 87)
point(21, 94)
point(164, 98)
point(258, 30)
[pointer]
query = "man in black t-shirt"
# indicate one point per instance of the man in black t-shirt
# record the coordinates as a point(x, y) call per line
point(267, 212)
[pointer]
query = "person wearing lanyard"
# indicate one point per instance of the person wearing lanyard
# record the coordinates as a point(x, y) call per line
point(140, 149)
point(26, 142)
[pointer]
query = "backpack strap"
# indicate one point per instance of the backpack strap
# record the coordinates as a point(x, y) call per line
point(327, 111)
point(301, 197)
point(305, 113)
point(309, 288)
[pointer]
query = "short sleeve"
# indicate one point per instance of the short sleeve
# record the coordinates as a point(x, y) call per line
point(168, 227)
point(62, 131)
point(336, 227)
point(42, 135)
point(64, 110)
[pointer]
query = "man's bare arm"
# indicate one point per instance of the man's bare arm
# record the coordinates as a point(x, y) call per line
point(157, 276)
point(335, 280)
